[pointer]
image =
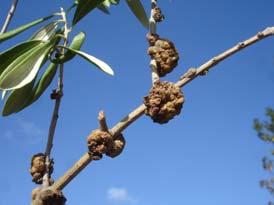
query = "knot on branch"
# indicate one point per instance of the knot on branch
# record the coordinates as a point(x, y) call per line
point(99, 142)
point(163, 52)
point(117, 146)
point(157, 14)
point(102, 142)
point(164, 102)
point(39, 168)
point(48, 197)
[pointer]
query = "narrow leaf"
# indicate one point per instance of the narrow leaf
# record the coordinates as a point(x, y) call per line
point(139, 11)
point(17, 99)
point(116, 2)
point(95, 61)
point(44, 82)
point(104, 9)
point(4, 94)
point(12, 33)
point(46, 32)
point(76, 44)
point(9, 56)
point(23, 70)
point(25, 96)
point(83, 8)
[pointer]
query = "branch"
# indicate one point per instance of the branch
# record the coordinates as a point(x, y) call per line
point(57, 96)
point(153, 29)
point(217, 59)
point(9, 16)
point(138, 112)
point(102, 121)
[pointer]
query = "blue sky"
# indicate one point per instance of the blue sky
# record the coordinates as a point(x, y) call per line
point(208, 155)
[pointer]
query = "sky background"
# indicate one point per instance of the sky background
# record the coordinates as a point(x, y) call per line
point(208, 155)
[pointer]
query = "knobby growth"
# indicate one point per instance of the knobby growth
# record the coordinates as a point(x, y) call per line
point(22, 86)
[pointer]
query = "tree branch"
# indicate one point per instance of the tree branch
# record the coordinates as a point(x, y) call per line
point(57, 95)
point(153, 29)
point(9, 16)
point(102, 121)
point(190, 75)
point(217, 59)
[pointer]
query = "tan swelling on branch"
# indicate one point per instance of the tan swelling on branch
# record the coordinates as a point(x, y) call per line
point(191, 74)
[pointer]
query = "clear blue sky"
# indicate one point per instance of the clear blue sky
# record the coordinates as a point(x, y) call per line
point(208, 155)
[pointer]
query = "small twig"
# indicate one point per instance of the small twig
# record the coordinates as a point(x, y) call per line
point(102, 121)
point(138, 112)
point(9, 16)
point(58, 96)
point(153, 29)
point(217, 59)
point(5, 27)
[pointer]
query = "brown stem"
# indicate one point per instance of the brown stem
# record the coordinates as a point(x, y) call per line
point(102, 121)
point(138, 112)
point(58, 94)
point(217, 59)
point(153, 29)
point(9, 16)
point(72, 172)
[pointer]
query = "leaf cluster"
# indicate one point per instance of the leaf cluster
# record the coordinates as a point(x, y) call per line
point(21, 80)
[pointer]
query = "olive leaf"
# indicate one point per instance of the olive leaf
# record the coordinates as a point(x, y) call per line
point(114, 1)
point(84, 7)
point(10, 55)
point(104, 7)
point(46, 32)
point(43, 83)
point(14, 32)
point(76, 44)
point(95, 61)
point(139, 11)
point(4, 94)
point(17, 99)
point(24, 68)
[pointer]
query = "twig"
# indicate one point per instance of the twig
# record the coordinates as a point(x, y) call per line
point(5, 27)
point(153, 29)
point(9, 16)
point(217, 59)
point(58, 94)
point(102, 121)
point(138, 112)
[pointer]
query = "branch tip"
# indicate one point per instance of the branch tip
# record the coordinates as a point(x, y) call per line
point(102, 121)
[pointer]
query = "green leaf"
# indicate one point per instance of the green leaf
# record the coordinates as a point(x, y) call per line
point(139, 11)
point(106, 3)
point(104, 9)
point(24, 68)
point(10, 55)
point(95, 61)
point(4, 94)
point(17, 99)
point(83, 8)
point(23, 97)
point(44, 82)
point(116, 2)
point(12, 33)
point(46, 32)
point(76, 44)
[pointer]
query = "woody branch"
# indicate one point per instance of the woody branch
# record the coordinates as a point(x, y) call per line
point(190, 75)
point(9, 16)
